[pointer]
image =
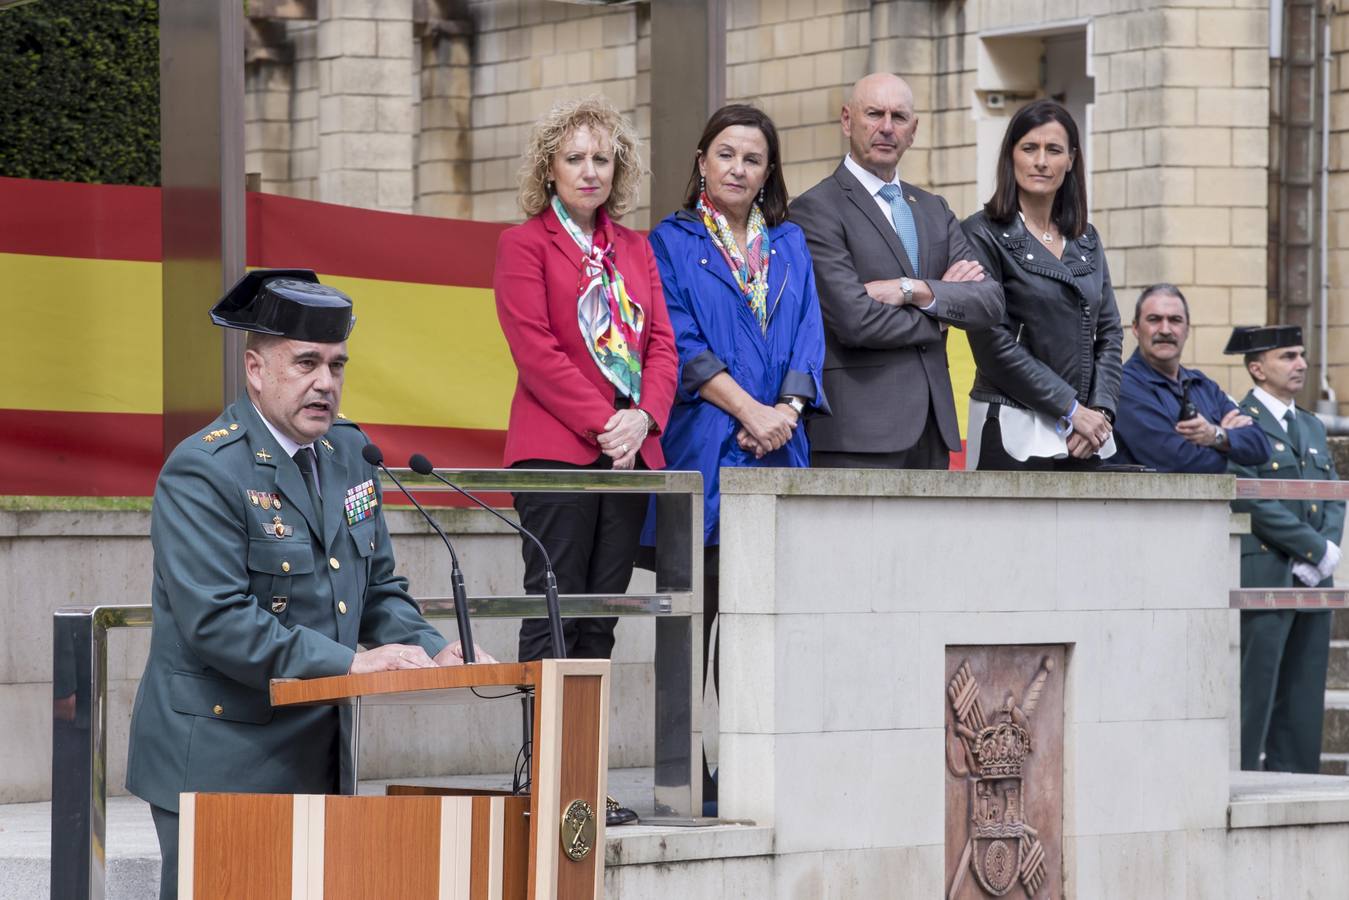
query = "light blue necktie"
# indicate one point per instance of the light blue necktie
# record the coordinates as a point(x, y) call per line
point(902, 218)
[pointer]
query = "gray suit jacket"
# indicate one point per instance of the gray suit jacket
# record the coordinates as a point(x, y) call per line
point(237, 604)
point(884, 365)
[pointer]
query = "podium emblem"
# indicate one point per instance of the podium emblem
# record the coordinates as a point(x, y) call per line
point(988, 754)
point(578, 830)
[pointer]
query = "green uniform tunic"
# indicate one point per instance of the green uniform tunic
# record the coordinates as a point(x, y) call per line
point(1284, 653)
point(252, 583)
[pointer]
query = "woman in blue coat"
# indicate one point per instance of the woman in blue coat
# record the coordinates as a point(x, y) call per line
point(741, 296)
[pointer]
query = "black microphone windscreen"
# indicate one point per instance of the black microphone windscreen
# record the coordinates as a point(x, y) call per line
point(372, 454)
point(420, 464)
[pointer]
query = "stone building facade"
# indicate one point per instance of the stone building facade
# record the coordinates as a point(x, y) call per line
point(423, 106)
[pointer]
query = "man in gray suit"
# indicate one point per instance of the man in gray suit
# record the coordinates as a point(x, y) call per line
point(894, 270)
point(272, 560)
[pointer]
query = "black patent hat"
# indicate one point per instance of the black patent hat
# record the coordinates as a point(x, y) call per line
point(1259, 338)
point(288, 303)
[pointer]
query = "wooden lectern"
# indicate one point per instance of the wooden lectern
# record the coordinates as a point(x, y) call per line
point(422, 842)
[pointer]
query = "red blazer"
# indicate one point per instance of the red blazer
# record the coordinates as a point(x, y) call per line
point(562, 401)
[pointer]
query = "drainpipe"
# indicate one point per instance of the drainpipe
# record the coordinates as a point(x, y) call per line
point(1326, 406)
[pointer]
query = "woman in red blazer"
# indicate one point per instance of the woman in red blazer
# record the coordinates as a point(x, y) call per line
point(580, 303)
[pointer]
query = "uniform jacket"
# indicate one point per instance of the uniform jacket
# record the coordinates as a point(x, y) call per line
point(1060, 338)
point(1149, 407)
point(885, 365)
point(1285, 530)
point(715, 331)
point(236, 606)
point(562, 400)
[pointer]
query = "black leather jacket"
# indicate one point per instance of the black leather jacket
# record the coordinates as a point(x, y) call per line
point(1060, 338)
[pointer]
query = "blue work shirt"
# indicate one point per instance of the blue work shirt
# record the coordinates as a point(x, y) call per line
point(715, 331)
point(1149, 407)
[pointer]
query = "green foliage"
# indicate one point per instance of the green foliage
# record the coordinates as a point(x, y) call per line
point(79, 91)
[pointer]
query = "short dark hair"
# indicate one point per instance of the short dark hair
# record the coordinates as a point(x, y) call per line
point(775, 187)
point(1252, 357)
point(1070, 203)
point(1161, 287)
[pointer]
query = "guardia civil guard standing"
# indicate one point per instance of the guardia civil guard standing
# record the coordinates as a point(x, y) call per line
point(1293, 543)
point(271, 560)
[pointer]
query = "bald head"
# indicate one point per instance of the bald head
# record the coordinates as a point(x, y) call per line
point(879, 122)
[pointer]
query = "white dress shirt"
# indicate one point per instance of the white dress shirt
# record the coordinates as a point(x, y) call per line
point(1276, 407)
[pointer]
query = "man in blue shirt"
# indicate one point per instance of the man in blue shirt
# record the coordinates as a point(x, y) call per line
point(1148, 426)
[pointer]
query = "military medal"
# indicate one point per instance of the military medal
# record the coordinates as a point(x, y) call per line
point(276, 500)
point(277, 528)
point(266, 501)
point(253, 497)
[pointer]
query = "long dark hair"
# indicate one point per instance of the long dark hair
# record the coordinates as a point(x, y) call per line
point(775, 187)
point(1070, 203)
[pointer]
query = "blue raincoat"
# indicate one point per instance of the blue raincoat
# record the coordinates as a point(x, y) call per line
point(715, 331)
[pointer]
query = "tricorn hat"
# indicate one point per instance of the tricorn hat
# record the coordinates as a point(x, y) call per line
point(1259, 338)
point(289, 303)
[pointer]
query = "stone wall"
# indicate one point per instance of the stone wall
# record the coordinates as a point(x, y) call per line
point(1179, 119)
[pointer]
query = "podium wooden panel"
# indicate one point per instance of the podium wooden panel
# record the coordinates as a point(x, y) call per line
point(418, 841)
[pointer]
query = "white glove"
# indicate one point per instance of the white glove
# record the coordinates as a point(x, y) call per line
point(1308, 574)
point(1330, 561)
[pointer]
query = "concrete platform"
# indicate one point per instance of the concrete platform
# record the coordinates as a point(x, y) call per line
point(701, 852)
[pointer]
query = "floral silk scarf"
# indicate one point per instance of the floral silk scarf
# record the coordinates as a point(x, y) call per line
point(751, 269)
point(611, 321)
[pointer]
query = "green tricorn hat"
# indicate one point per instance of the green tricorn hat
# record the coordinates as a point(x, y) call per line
point(1259, 338)
point(288, 303)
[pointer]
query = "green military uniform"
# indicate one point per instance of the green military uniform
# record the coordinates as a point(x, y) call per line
point(1284, 653)
point(259, 573)
point(247, 589)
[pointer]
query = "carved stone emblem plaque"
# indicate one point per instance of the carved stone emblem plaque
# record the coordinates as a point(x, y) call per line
point(1004, 771)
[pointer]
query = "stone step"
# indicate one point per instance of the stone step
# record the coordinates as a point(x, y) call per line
point(1335, 763)
point(1337, 675)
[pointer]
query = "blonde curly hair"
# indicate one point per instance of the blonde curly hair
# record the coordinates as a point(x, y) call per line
point(597, 112)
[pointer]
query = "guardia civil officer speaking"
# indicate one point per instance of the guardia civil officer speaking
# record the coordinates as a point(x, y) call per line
point(271, 560)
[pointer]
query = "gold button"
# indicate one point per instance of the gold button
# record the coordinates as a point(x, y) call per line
point(234, 426)
point(342, 607)
point(285, 566)
point(372, 543)
point(217, 709)
point(1313, 507)
point(332, 561)
point(1276, 467)
point(1309, 554)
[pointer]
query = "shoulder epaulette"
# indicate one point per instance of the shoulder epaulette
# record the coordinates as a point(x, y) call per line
point(212, 439)
point(343, 420)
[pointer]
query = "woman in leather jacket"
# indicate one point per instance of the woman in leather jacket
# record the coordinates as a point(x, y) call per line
point(1048, 374)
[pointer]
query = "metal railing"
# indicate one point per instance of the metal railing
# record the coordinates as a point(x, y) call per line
point(80, 660)
point(1261, 598)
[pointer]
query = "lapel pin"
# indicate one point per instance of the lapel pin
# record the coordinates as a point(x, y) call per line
point(263, 455)
point(279, 604)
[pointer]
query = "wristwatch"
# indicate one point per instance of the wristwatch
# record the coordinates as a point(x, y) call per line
point(795, 403)
point(906, 288)
point(1219, 437)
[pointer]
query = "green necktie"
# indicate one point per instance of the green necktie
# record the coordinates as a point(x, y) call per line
point(1294, 431)
point(305, 459)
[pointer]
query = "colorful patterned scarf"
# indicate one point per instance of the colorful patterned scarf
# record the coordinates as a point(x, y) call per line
point(751, 269)
point(611, 321)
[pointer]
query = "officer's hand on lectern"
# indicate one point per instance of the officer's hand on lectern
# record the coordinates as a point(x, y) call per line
point(453, 655)
point(390, 656)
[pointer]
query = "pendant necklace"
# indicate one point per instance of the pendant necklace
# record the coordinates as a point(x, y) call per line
point(1046, 236)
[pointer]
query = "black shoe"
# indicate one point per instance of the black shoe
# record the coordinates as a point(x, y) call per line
point(615, 815)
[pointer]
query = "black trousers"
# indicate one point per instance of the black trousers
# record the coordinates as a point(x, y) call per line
point(1284, 654)
point(592, 539)
point(930, 452)
point(993, 457)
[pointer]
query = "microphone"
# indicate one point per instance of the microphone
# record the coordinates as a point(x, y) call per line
point(422, 466)
point(375, 457)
